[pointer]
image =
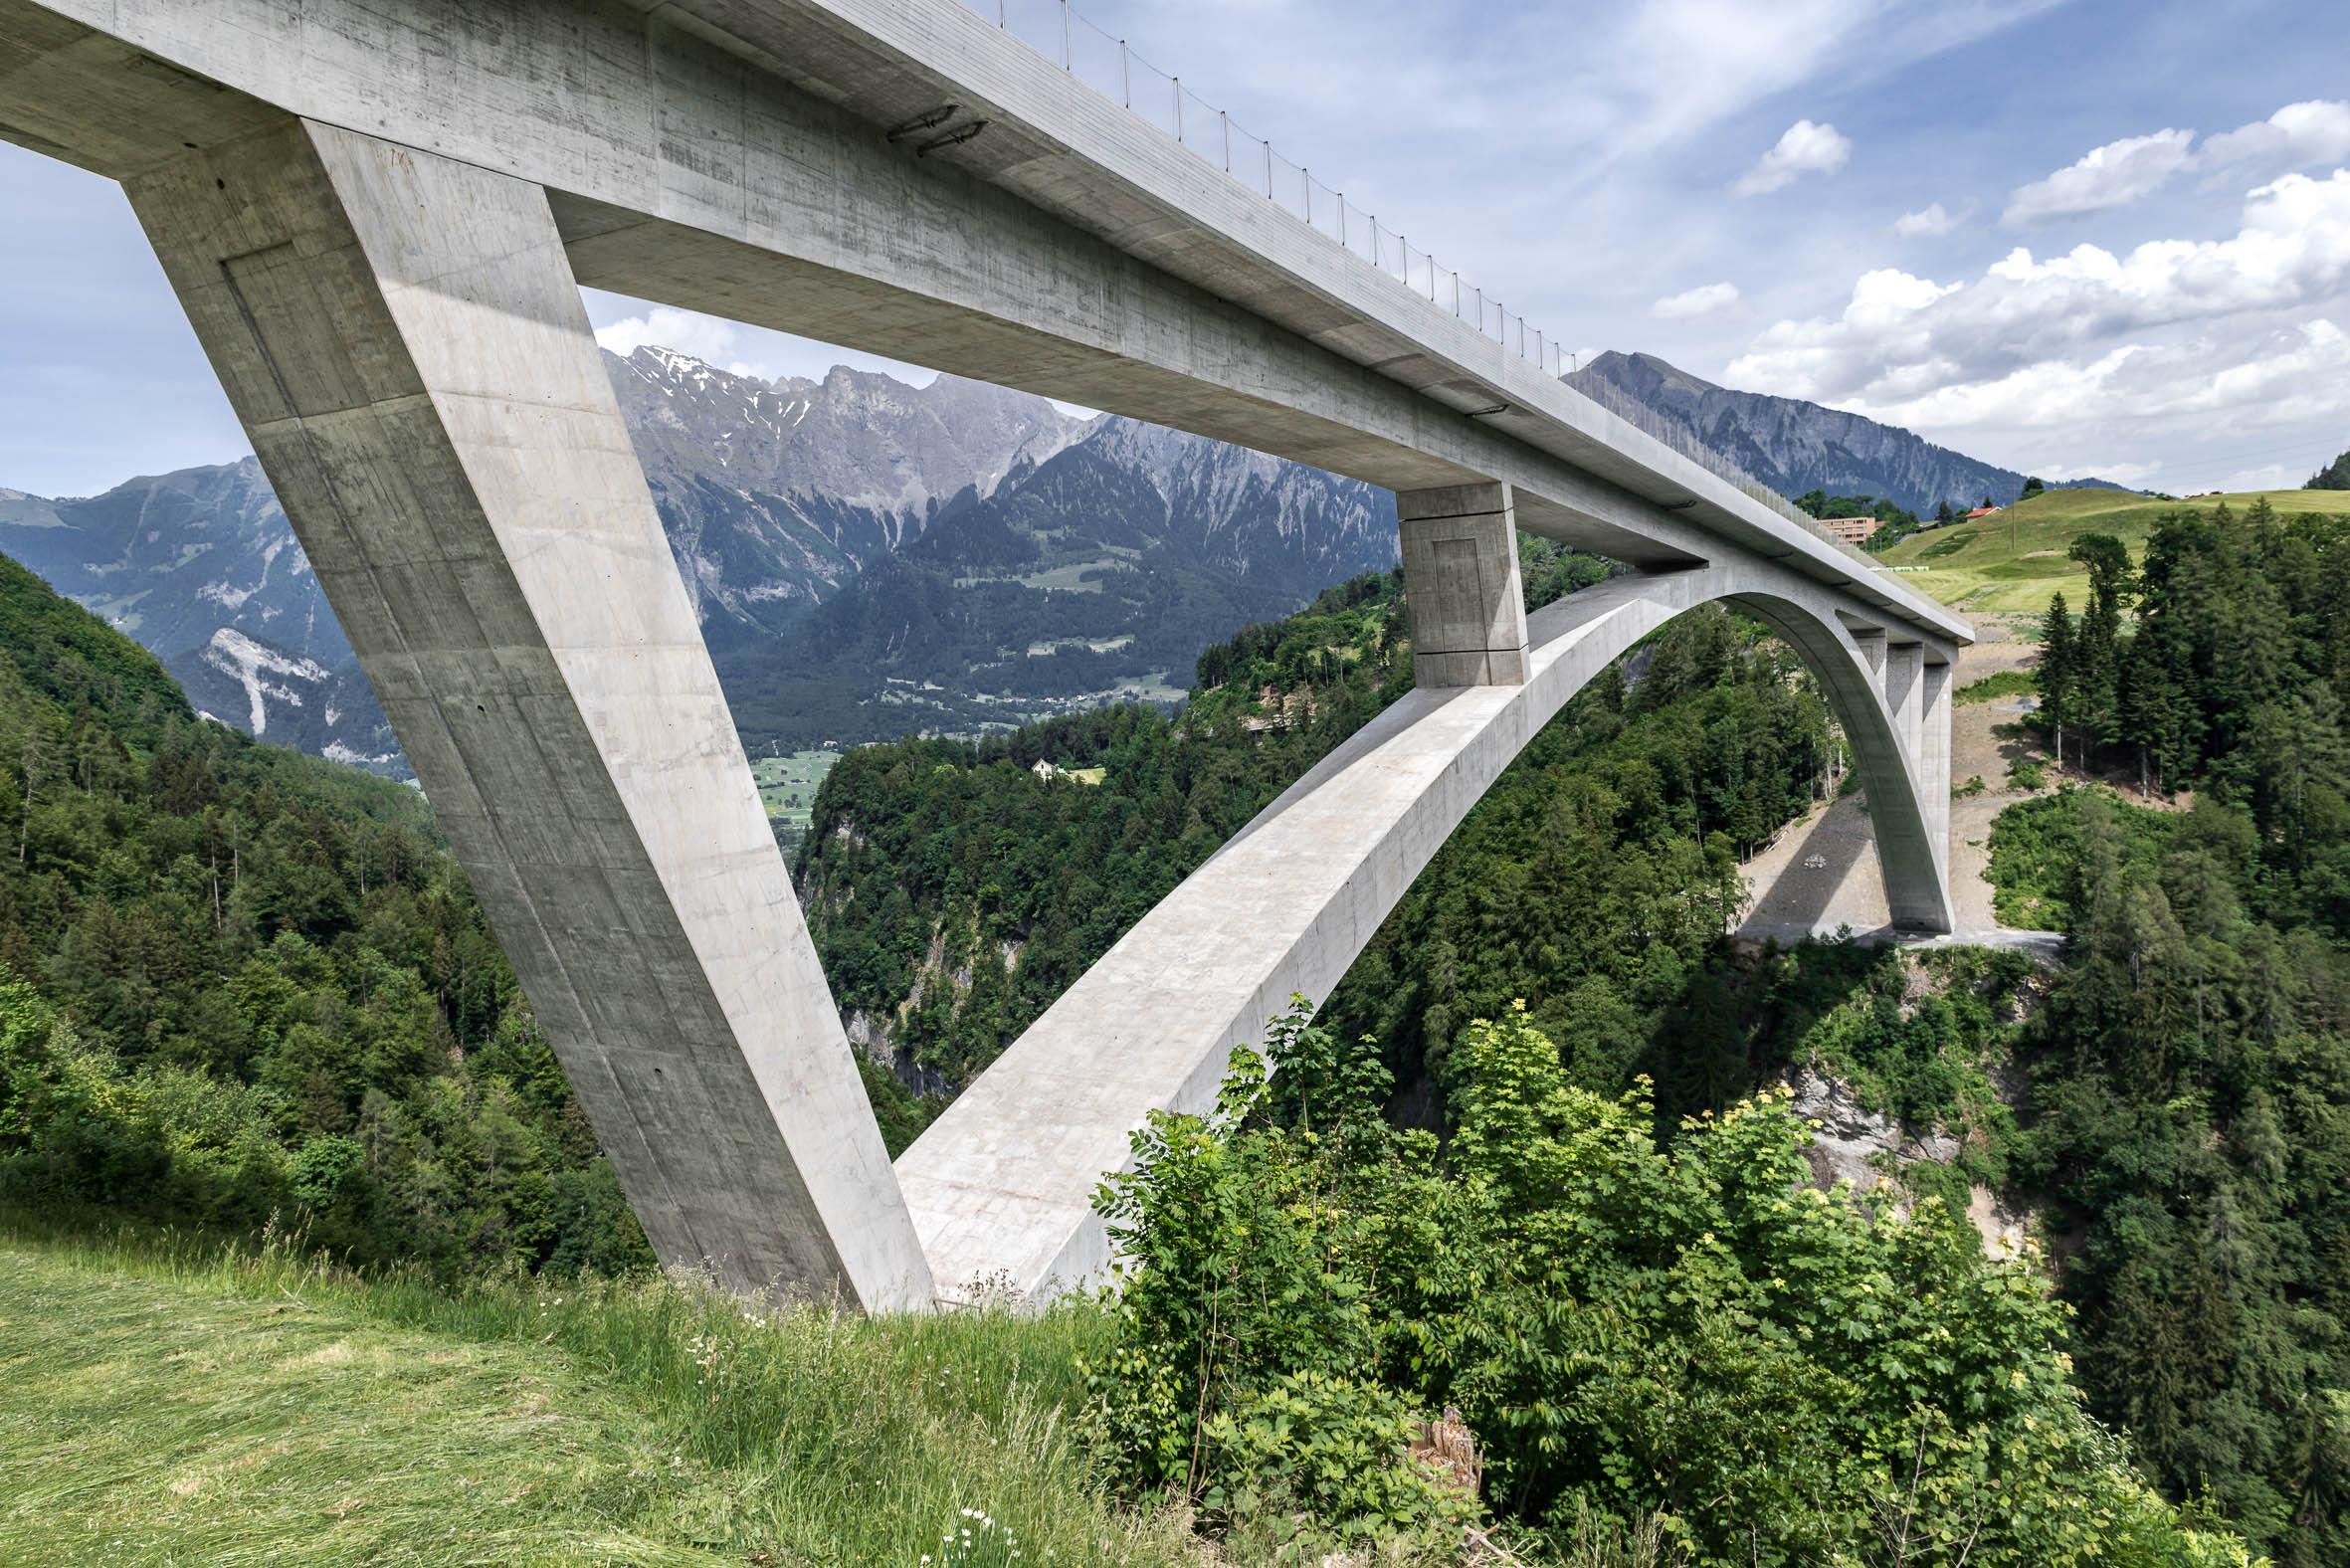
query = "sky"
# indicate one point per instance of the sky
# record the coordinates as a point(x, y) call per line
point(2070, 237)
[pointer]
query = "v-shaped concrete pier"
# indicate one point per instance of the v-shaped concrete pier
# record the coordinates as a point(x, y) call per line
point(377, 212)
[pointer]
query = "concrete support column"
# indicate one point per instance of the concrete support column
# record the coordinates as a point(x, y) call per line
point(1934, 733)
point(1872, 643)
point(403, 339)
point(1904, 677)
point(1466, 608)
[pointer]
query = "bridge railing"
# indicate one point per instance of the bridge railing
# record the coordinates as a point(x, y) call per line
point(1114, 68)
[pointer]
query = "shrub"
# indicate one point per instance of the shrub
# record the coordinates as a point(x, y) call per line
point(1680, 1337)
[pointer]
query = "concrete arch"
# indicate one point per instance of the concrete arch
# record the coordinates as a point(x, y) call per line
point(1001, 1195)
point(395, 316)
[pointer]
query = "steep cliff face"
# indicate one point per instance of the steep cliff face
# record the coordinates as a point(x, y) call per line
point(1793, 445)
point(273, 694)
point(776, 494)
point(1243, 515)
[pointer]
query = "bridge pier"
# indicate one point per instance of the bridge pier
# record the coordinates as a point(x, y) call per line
point(1464, 605)
point(401, 337)
point(395, 317)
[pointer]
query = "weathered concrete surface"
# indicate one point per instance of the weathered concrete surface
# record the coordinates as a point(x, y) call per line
point(1001, 1193)
point(1466, 607)
point(403, 340)
point(1794, 898)
point(728, 155)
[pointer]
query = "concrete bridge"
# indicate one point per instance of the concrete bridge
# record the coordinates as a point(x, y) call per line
point(378, 214)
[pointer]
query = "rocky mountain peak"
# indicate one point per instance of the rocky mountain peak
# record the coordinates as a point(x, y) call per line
point(1795, 445)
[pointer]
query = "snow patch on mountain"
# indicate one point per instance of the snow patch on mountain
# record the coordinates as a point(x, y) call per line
point(263, 673)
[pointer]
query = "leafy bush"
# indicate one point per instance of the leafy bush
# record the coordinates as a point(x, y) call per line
point(1685, 1336)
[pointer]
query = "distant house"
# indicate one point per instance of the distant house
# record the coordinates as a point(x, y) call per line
point(1042, 769)
point(1979, 511)
point(1850, 529)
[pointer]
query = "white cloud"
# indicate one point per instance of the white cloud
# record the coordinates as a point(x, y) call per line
point(2113, 175)
point(2294, 137)
point(1931, 221)
point(1901, 337)
point(706, 337)
point(2182, 362)
point(1696, 301)
point(1806, 148)
point(2214, 387)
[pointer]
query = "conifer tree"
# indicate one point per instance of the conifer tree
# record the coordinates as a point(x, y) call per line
point(2334, 476)
point(2056, 671)
point(2098, 653)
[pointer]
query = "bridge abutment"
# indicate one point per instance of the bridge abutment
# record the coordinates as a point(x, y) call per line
point(403, 339)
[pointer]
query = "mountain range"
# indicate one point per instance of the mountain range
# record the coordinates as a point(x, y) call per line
point(869, 558)
point(1099, 572)
point(1796, 447)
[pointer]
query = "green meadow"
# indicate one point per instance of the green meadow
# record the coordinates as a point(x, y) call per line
point(2012, 561)
point(788, 785)
point(175, 1403)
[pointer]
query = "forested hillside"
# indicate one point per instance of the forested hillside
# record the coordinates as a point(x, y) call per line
point(244, 984)
point(2175, 1107)
point(251, 987)
point(2191, 1072)
point(953, 893)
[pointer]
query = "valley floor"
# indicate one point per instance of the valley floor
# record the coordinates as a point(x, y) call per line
point(1794, 899)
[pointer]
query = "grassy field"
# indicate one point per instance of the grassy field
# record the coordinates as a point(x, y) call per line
point(787, 785)
point(2012, 561)
point(181, 1405)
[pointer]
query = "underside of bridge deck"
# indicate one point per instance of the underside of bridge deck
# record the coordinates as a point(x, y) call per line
point(377, 212)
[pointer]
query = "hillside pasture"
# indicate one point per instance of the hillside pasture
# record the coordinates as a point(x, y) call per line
point(2008, 563)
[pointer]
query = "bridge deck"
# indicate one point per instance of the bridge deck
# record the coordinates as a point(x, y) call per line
point(730, 156)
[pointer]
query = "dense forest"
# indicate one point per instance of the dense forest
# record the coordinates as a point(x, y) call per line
point(2334, 476)
point(1672, 1348)
point(2191, 1071)
point(954, 892)
point(2175, 1105)
point(245, 985)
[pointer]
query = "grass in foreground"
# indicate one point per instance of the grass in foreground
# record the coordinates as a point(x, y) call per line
point(165, 1403)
